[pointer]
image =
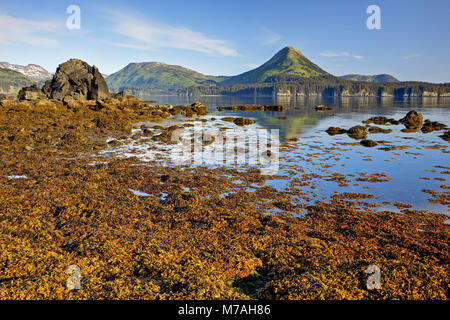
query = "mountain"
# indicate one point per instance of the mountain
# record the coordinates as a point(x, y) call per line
point(288, 61)
point(157, 75)
point(12, 81)
point(374, 78)
point(32, 71)
point(289, 65)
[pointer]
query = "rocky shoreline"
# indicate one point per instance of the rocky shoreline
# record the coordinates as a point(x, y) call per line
point(145, 231)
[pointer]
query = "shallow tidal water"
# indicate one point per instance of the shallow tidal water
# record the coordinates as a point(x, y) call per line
point(327, 164)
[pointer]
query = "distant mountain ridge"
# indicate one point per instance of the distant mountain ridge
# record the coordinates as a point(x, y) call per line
point(288, 73)
point(288, 61)
point(33, 71)
point(12, 81)
point(373, 78)
point(157, 75)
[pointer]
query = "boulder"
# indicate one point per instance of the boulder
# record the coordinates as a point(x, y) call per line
point(357, 132)
point(243, 121)
point(368, 143)
point(335, 130)
point(412, 120)
point(78, 80)
point(31, 93)
point(381, 120)
point(430, 126)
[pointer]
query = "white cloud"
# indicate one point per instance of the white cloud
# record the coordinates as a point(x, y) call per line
point(341, 54)
point(411, 56)
point(21, 30)
point(151, 34)
point(269, 37)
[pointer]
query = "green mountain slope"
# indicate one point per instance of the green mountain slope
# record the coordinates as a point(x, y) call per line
point(374, 78)
point(12, 81)
point(156, 75)
point(288, 61)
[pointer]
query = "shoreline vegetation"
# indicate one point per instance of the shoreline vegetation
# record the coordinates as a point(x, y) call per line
point(310, 87)
point(225, 93)
point(188, 232)
point(327, 87)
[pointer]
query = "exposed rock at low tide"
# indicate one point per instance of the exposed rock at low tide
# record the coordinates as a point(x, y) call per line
point(430, 126)
point(78, 80)
point(243, 121)
point(381, 120)
point(254, 107)
point(31, 93)
point(335, 130)
point(368, 143)
point(357, 132)
point(412, 120)
point(74, 79)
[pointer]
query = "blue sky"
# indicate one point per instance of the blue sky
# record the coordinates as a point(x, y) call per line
point(229, 37)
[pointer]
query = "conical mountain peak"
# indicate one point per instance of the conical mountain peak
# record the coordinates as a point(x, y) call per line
point(287, 61)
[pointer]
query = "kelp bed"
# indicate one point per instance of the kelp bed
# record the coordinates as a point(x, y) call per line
point(192, 233)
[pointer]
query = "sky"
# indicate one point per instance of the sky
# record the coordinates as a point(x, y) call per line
point(233, 36)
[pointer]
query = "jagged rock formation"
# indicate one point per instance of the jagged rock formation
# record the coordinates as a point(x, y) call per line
point(31, 93)
point(73, 80)
point(77, 80)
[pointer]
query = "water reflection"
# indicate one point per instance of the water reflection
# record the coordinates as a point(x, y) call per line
point(417, 161)
point(300, 116)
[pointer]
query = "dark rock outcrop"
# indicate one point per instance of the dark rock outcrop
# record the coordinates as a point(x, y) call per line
point(74, 80)
point(77, 80)
point(335, 130)
point(381, 120)
point(31, 93)
point(243, 121)
point(368, 143)
point(430, 126)
point(254, 107)
point(412, 120)
point(357, 132)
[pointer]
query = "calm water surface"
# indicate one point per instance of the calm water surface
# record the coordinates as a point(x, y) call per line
point(421, 162)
